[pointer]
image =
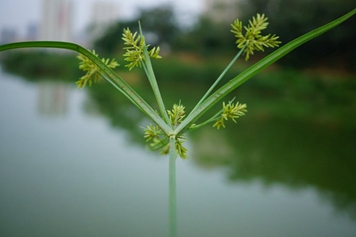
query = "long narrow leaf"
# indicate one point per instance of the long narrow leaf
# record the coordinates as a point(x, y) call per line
point(153, 82)
point(105, 71)
point(219, 78)
point(254, 69)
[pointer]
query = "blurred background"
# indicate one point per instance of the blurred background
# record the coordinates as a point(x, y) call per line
point(74, 162)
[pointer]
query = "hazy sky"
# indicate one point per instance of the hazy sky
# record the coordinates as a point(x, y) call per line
point(20, 13)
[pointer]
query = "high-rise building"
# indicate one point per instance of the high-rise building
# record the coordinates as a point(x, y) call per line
point(56, 20)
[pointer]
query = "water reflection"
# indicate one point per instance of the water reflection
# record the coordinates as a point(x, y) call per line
point(53, 98)
point(284, 151)
point(288, 153)
point(88, 174)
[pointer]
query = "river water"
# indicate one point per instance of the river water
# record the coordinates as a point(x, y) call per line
point(65, 170)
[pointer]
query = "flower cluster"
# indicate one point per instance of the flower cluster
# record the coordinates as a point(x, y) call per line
point(135, 45)
point(230, 111)
point(161, 140)
point(177, 114)
point(253, 40)
point(92, 70)
point(138, 54)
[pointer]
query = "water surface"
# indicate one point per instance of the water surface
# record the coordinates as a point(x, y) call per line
point(66, 170)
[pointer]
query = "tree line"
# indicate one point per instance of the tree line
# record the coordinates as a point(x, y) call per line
point(288, 19)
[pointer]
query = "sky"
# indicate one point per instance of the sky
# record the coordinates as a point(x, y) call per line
point(19, 14)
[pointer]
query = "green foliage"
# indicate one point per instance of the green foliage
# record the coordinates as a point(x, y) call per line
point(135, 45)
point(294, 18)
point(253, 40)
point(35, 64)
point(207, 38)
point(159, 140)
point(153, 132)
point(230, 111)
point(248, 43)
point(109, 43)
point(161, 24)
point(177, 114)
point(92, 70)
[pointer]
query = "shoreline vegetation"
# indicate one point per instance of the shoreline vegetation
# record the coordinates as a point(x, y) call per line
point(322, 94)
point(43, 63)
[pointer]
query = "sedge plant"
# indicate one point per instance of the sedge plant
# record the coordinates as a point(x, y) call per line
point(169, 126)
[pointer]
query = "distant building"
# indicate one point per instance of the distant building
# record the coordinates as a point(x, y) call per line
point(8, 35)
point(222, 11)
point(104, 14)
point(56, 20)
point(32, 32)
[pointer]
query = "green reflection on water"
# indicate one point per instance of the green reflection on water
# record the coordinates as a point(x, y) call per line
point(275, 143)
point(285, 149)
point(289, 153)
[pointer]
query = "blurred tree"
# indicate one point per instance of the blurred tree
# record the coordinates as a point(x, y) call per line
point(290, 19)
point(111, 42)
point(161, 23)
point(207, 37)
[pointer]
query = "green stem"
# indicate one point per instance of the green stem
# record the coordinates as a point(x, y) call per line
point(172, 188)
point(219, 78)
point(212, 119)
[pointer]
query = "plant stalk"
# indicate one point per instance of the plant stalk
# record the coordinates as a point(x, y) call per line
point(220, 77)
point(172, 188)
